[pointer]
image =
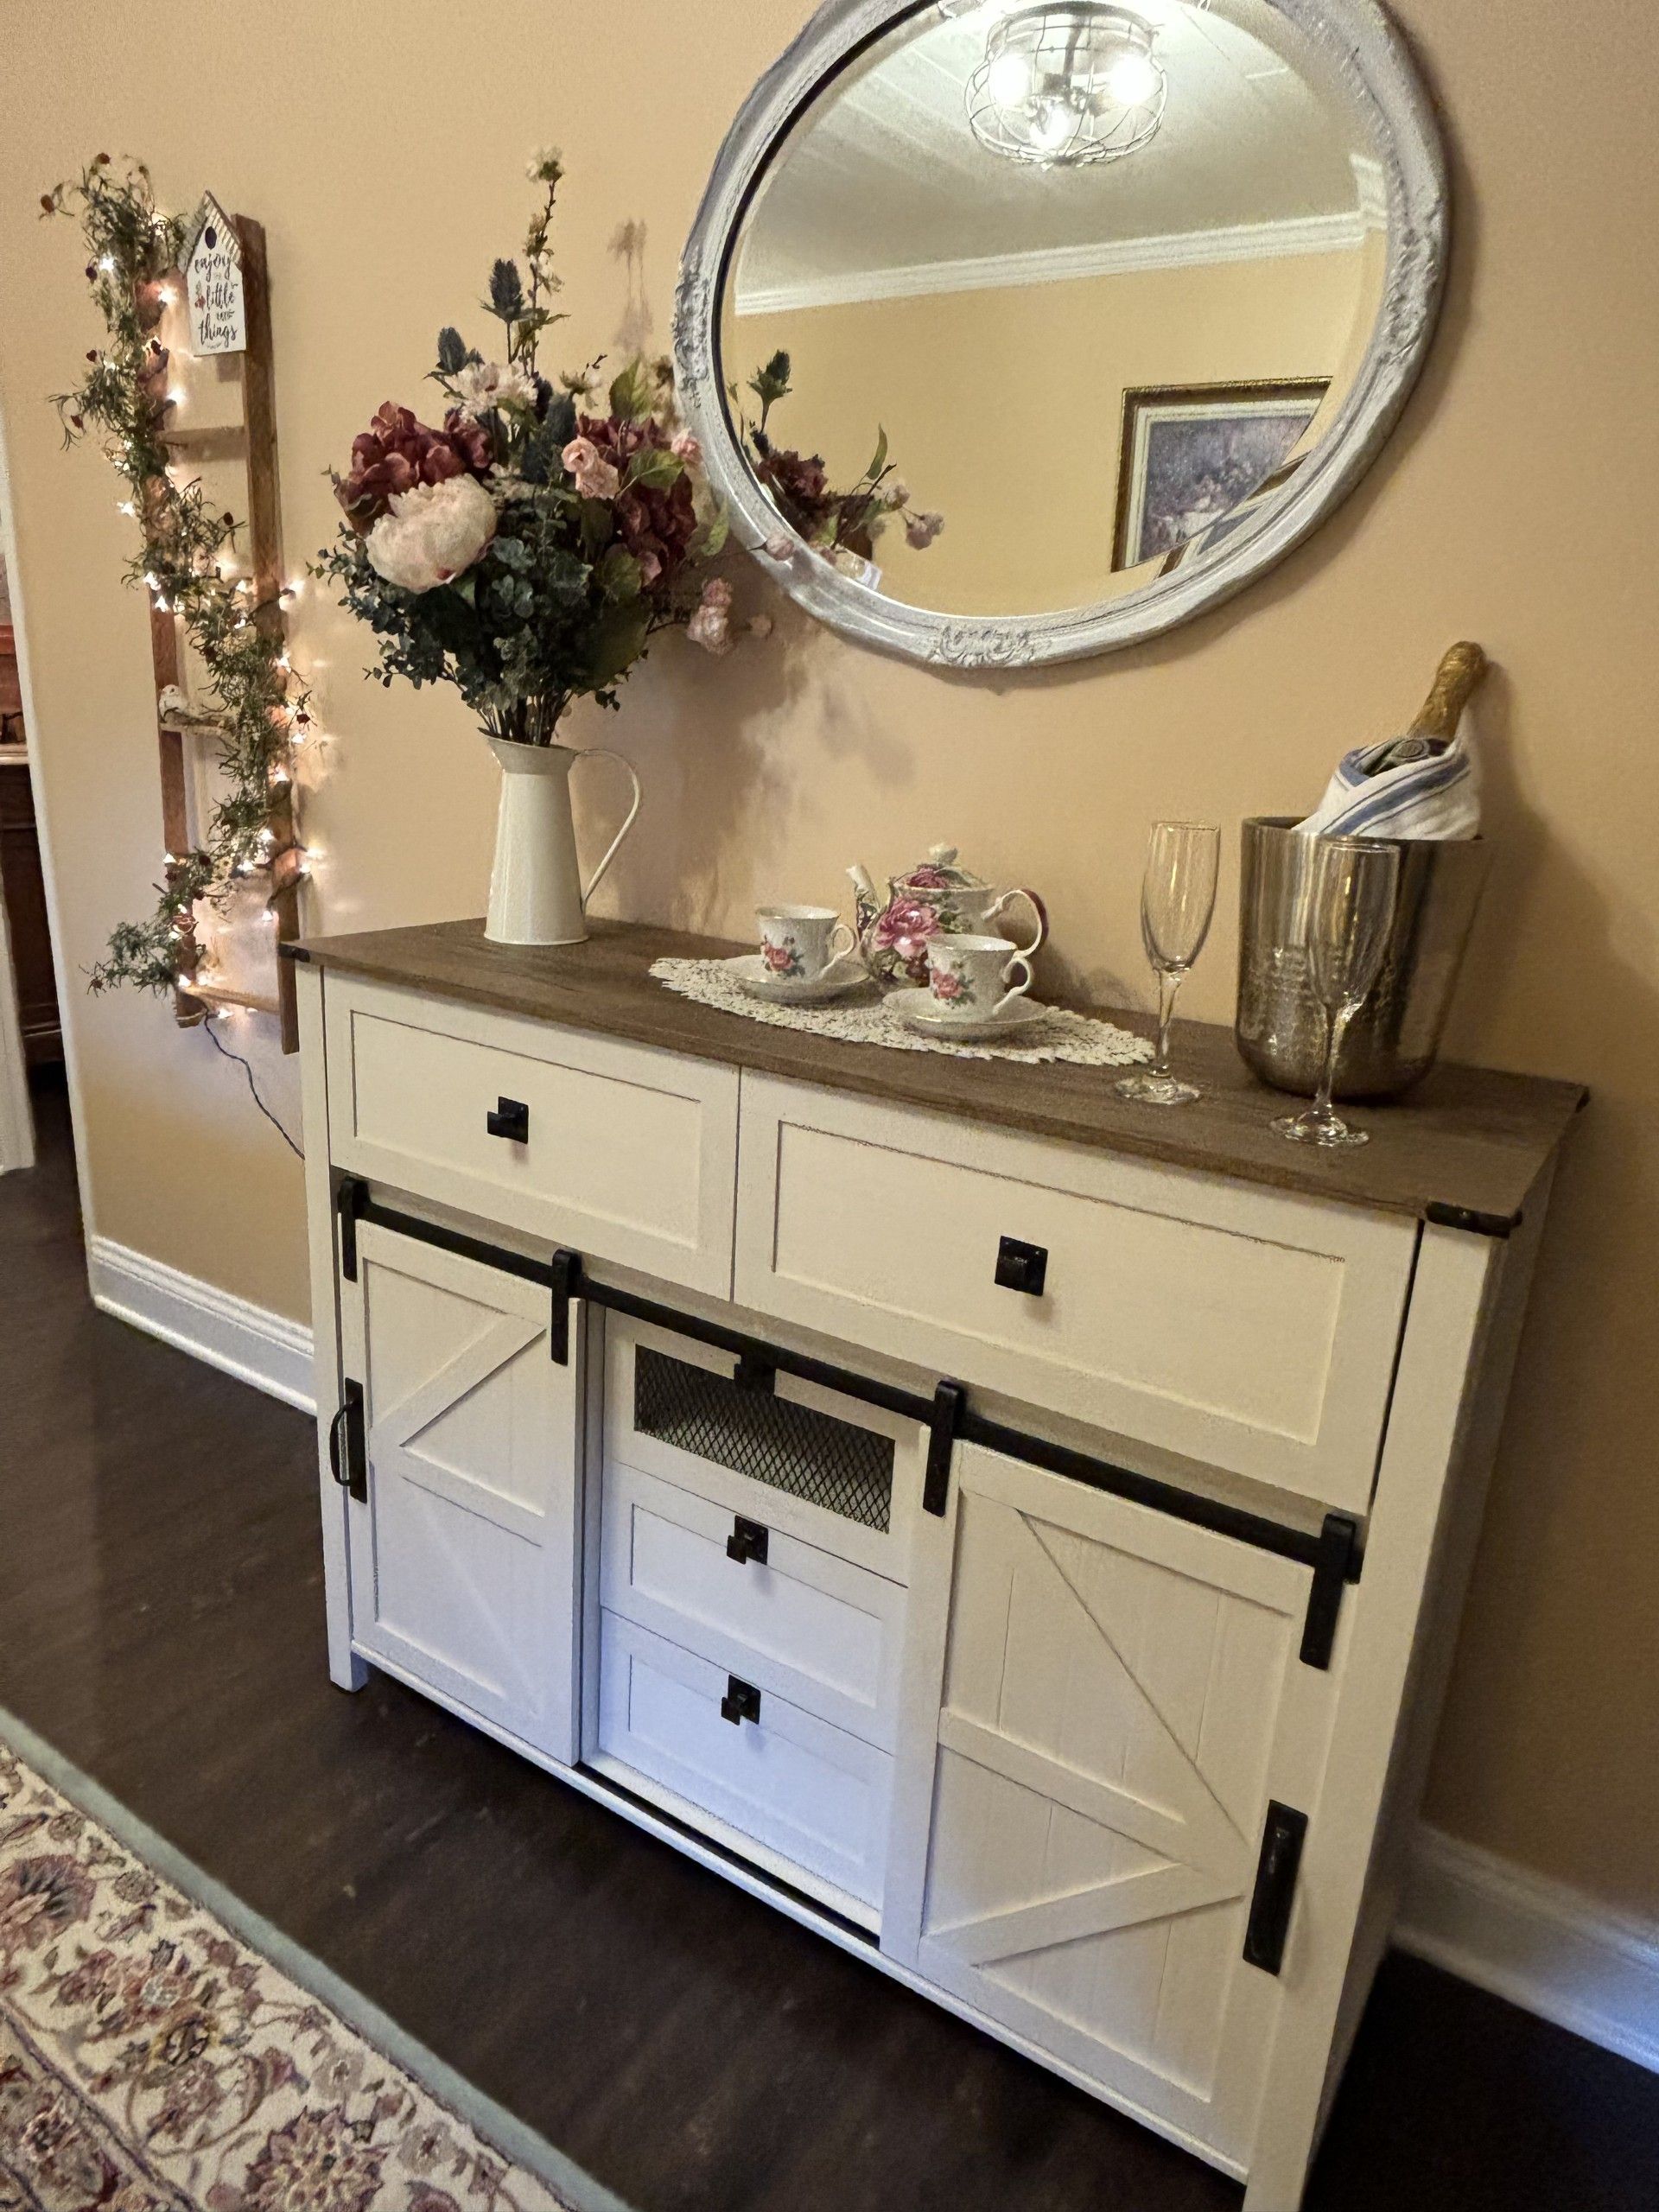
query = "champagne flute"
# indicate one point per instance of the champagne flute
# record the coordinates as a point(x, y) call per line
point(1353, 886)
point(1177, 898)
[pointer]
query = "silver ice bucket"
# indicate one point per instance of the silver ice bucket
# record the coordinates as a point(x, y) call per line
point(1392, 1040)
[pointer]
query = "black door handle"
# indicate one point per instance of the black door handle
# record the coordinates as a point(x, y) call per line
point(335, 1428)
point(741, 1702)
point(1021, 1267)
point(748, 1541)
point(511, 1120)
point(348, 1443)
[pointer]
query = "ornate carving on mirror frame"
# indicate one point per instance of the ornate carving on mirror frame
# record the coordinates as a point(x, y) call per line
point(1368, 57)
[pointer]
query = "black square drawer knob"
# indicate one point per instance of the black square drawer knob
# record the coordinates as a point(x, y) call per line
point(748, 1541)
point(509, 1120)
point(741, 1702)
point(1021, 1267)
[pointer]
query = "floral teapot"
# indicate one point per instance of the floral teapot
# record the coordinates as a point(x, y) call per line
point(932, 899)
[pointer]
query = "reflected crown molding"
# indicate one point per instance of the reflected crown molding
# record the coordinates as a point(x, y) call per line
point(1065, 265)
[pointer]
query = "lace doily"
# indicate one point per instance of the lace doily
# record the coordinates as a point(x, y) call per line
point(1062, 1035)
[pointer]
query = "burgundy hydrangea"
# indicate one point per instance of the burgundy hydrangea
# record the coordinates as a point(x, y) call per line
point(396, 452)
point(655, 522)
point(800, 484)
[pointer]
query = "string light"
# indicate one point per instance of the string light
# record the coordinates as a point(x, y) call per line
point(125, 507)
point(177, 396)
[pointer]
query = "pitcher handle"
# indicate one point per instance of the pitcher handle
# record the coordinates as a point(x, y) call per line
point(604, 753)
point(1037, 908)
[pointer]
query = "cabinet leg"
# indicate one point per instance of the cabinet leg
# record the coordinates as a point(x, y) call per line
point(347, 1672)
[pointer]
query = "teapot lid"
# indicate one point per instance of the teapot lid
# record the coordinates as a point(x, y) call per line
point(940, 869)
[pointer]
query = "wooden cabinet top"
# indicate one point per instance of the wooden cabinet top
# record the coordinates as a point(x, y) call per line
point(1469, 1141)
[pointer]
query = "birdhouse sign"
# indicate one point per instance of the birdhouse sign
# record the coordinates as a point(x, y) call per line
point(213, 283)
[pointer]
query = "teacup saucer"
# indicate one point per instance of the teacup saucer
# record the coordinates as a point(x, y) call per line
point(840, 977)
point(919, 1010)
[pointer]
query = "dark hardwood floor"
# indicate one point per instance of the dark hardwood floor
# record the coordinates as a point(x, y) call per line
point(161, 1622)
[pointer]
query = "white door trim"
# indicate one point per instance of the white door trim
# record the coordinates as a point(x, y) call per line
point(16, 1117)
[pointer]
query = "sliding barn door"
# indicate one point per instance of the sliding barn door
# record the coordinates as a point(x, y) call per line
point(1113, 1726)
point(463, 1552)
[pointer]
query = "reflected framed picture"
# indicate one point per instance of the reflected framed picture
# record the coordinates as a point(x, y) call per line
point(1191, 455)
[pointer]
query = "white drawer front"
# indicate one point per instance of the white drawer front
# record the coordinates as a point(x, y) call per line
point(803, 1625)
point(1248, 1330)
point(631, 1153)
point(812, 1794)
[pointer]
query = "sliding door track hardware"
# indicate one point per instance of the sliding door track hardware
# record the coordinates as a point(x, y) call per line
point(1335, 1555)
point(351, 1203)
point(949, 1409)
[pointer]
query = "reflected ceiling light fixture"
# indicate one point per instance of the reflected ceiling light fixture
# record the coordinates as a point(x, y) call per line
point(1066, 85)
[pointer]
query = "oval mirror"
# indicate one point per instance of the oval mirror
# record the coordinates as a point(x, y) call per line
point(1015, 333)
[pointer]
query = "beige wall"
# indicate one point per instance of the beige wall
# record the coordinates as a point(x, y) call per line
point(1029, 522)
point(383, 147)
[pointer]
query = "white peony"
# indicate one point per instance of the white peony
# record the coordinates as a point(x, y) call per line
point(483, 384)
point(432, 533)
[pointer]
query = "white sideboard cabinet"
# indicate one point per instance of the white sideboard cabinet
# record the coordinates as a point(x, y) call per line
point(1018, 1533)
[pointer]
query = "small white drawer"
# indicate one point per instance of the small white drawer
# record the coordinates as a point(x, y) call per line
point(627, 1153)
point(799, 1623)
point(812, 1796)
point(833, 1472)
point(1243, 1328)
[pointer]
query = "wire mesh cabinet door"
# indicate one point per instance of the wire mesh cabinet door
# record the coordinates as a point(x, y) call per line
point(1122, 1700)
point(463, 1550)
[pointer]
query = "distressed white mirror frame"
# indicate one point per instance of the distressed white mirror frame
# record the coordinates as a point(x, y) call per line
point(1371, 61)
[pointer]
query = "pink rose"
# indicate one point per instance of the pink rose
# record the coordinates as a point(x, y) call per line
point(927, 878)
point(906, 922)
point(947, 984)
point(779, 956)
point(689, 449)
point(778, 547)
point(717, 592)
point(595, 477)
point(711, 628)
point(920, 531)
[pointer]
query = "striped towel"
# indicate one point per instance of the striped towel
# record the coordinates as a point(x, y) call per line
point(1406, 787)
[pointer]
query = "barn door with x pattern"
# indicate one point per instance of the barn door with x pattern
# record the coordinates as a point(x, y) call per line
point(1121, 1697)
point(463, 1556)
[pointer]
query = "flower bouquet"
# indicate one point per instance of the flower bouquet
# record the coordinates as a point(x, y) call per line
point(527, 550)
point(842, 527)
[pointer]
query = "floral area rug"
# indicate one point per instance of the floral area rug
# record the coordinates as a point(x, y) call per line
point(150, 2062)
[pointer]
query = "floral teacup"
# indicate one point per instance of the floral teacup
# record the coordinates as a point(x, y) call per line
point(798, 944)
point(971, 978)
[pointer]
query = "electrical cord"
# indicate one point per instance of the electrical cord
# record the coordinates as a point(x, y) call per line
point(247, 1067)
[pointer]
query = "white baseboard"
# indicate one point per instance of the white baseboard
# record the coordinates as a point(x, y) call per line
point(1544, 1947)
point(1547, 1948)
point(265, 1349)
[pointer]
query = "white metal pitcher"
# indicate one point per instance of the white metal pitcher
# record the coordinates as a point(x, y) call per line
point(537, 893)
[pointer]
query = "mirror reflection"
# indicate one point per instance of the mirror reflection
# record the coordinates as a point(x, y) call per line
point(1035, 303)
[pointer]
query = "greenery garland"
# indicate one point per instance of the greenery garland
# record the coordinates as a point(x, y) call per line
point(257, 709)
